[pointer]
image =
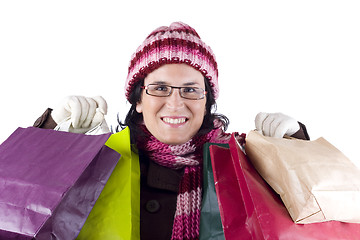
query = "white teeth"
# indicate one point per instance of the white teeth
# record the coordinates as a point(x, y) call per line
point(174, 120)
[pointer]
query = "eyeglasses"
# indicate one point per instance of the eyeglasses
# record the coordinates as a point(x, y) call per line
point(160, 90)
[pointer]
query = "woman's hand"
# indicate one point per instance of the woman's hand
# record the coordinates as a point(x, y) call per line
point(83, 112)
point(276, 124)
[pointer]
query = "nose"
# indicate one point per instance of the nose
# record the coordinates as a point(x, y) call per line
point(175, 100)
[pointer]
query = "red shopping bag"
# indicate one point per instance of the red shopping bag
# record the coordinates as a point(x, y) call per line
point(231, 206)
point(263, 214)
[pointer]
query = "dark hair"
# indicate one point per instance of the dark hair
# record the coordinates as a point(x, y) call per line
point(134, 119)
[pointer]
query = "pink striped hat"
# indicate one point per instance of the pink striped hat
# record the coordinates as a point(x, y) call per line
point(178, 43)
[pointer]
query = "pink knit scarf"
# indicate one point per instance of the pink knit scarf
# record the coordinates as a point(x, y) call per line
point(188, 156)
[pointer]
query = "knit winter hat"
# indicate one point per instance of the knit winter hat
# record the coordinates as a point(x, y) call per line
point(178, 43)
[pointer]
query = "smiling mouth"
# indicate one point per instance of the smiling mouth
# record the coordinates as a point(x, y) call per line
point(174, 120)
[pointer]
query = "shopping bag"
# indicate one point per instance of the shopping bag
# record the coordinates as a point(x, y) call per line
point(210, 220)
point(264, 215)
point(232, 209)
point(49, 181)
point(315, 180)
point(116, 214)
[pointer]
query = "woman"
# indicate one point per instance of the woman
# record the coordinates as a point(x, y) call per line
point(172, 85)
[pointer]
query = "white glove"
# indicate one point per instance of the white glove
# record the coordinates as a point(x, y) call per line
point(85, 113)
point(276, 124)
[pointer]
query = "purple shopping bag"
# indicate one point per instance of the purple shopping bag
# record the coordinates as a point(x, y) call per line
point(49, 182)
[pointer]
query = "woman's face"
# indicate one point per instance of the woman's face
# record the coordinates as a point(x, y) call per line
point(173, 120)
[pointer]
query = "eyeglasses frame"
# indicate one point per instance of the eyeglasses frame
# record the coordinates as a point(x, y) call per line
point(171, 91)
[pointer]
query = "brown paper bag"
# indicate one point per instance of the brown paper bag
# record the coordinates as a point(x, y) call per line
point(315, 181)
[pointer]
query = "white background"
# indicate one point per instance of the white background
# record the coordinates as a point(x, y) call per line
point(301, 58)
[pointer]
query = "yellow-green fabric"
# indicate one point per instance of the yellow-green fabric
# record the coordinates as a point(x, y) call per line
point(116, 214)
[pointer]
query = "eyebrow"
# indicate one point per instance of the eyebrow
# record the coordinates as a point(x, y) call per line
point(166, 83)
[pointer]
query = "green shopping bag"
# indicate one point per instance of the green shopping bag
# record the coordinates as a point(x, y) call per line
point(210, 220)
point(116, 214)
